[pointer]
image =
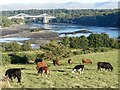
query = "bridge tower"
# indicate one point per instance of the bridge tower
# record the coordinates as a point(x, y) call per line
point(45, 20)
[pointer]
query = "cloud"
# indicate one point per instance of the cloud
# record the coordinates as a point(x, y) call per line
point(5, 2)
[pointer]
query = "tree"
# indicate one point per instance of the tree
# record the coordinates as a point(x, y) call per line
point(73, 42)
point(17, 20)
point(83, 42)
point(12, 46)
point(5, 21)
point(26, 46)
point(65, 41)
point(5, 59)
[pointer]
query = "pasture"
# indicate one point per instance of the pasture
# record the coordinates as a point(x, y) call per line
point(61, 76)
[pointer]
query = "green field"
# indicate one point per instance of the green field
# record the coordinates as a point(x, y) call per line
point(61, 76)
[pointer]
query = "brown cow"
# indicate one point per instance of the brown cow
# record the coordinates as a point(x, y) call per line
point(56, 62)
point(70, 61)
point(86, 61)
point(40, 64)
point(43, 70)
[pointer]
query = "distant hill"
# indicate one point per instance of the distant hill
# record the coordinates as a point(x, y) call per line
point(68, 5)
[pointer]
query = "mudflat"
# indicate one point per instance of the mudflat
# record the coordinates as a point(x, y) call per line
point(22, 31)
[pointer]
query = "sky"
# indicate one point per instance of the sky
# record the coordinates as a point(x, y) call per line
point(6, 2)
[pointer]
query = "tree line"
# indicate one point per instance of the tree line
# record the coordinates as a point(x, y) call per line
point(15, 47)
point(94, 17)
point(7, 22)
point(92, 41)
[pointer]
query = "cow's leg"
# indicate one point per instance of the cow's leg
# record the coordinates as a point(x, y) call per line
point(43, 71)
point(7, 78)
point(10, 77)
point(98, 68)
point(74, 70)
point(38, 72)
point(48, 73)
point(19, 79)
point(106, 69)
point(14, 77)
point(111, 69)
point(82, 70)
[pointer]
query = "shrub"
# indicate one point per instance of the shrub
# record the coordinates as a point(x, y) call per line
point(53, 50)
point(101, 49)
point(31, 56)
point(77, 53)
point(6, 59)
point(19, 58)
point(12, 46)
point(46, 56)
point(26, 46)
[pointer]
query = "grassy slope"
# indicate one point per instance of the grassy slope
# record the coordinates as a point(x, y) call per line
point(61, 76)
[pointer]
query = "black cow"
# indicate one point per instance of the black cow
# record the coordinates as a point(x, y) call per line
point(78, 68)
point(13, 73)
point(38, 60)
point(105, 65)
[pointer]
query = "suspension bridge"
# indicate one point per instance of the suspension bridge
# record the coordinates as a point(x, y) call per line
point(46, 17)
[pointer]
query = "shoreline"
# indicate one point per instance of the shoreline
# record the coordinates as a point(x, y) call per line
point(22, 31)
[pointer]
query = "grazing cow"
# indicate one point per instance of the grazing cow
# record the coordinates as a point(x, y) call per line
point(78, 68)
point(105, 65)
point(43, 70)
point(86, 61)
point(38, 60)
point(70, 61)
point(56, 62)
point(13, 73)
point(40, 64)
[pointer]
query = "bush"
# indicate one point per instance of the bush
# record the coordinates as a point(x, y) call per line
point(31, 56)
point(77, 53)
point(12, 46)
point(53, 50)
point(19, 58)
point(5, 21)
point(6, 59)
point(46, 56)
point(26, 46)
point(101, 49)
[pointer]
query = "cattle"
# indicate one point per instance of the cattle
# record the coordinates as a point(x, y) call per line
point(86, 61)
point(70, 61)
point(78, 68)
point(13, 73)
point(43, 70)
point(40, 64)
point(56, 62)
point(38, 60)
point(105, 65)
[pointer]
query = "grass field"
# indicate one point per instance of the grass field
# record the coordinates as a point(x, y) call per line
point(61, 76)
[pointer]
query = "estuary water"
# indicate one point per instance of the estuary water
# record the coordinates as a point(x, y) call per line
point(62, 28)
